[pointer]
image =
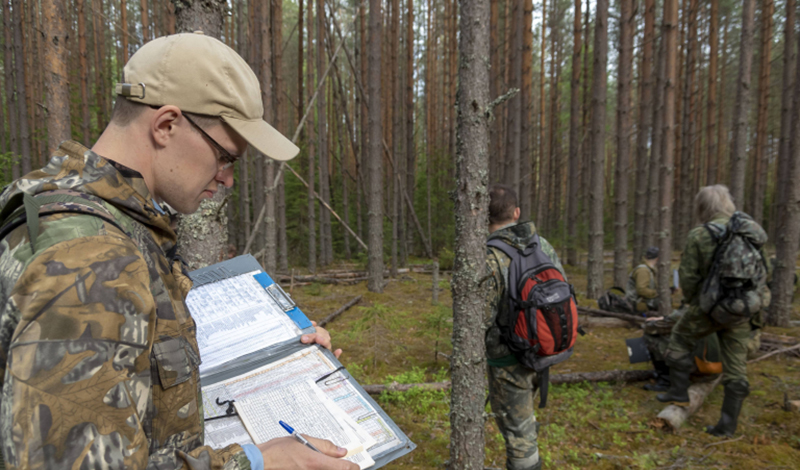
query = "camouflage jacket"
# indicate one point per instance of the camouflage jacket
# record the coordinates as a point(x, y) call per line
point(497, 263)
point(100, 360)
point(696, 261)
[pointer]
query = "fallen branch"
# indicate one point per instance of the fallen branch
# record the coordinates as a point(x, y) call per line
point(779, 351)
point(603, 313)
point(602, 322)
point(673, 416)
point(726, 441)
point(341, 310)
point(604, 376)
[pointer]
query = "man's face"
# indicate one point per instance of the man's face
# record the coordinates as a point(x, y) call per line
point(189, 169)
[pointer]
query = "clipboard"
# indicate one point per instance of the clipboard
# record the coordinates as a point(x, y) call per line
point(252, 361)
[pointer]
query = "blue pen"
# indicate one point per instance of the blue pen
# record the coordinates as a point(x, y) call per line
point(297, 436)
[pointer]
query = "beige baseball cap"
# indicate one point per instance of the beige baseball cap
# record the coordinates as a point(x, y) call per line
point(201, 75)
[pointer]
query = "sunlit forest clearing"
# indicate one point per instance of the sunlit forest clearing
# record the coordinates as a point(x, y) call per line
point(395, 337)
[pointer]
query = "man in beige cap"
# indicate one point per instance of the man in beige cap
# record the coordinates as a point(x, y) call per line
point(100, 360)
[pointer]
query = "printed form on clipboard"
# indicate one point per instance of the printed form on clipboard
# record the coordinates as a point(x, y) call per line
point(255, 371)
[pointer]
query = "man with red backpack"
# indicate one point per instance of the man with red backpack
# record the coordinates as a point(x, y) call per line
point(512, 380)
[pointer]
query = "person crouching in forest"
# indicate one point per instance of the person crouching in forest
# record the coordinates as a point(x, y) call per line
point(714, 304)
point(642, 291)
point(511, 385)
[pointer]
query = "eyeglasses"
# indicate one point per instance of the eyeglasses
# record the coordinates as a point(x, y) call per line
point(224, 155)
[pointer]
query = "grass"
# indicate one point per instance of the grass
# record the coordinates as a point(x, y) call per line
point(395, 336)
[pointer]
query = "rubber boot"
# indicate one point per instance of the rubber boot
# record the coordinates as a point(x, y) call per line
point(662, 378)
point(735, 393)
point(678, 389)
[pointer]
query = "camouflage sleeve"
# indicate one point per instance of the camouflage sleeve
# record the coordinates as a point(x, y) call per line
point(77, 391)
point(494, 290)
point(642, 278)
point(548, 249)
point(690, 270)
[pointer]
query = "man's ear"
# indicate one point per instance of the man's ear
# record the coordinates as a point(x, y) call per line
point(516, 214)
point(162, 124)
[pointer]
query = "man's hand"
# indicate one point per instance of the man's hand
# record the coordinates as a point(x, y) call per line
point(321, 337)
point(653, 319)
point(287, 453)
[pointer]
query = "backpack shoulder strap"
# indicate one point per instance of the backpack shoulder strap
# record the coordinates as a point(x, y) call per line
point(30, 208)
point(507, 249)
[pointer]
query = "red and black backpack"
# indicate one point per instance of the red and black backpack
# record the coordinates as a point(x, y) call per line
point(539, 323)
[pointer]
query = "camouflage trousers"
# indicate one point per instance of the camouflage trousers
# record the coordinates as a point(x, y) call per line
point(511, 391)
point(733, 342)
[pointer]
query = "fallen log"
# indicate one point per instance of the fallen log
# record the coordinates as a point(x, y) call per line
point(673, 416)
point(779, 351)
point(602, 322)
point(603, 313)
point(780, 339)
point(338, 312)
point(577, 377)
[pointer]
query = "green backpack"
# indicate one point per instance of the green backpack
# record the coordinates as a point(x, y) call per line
point(731, 293)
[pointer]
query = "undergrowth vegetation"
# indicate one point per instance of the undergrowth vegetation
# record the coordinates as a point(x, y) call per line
point(399, 336)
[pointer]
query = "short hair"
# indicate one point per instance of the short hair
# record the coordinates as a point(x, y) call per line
point(651, 253)
point(502, 202)
point(126, 111)
point(713, 200)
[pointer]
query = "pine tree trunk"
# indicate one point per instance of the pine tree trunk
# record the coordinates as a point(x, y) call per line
point(191, 15)
point(410, 182)
point(623, 143)
point(265, 77)
point(145, 22)
point(789, 214)
point(574, 139)
point(84, 72)
point(760, 158)
point(543, 173)
point(598, 148)
point(585, 140)
point(711, 161)
point(98, 35)
point(312, 203)
point(394, 91)
point(364, 117)
point(685, 194)
point(10, 71)
point(553, 212)
point(742, 105)
point(787, 104)
point(721, 127)
point(495, 165)
point(326, 243)
point(281, 124)
point(471, 207)
point(375, 156)
point(657, 133)
point(643, 133)
point(670, 36)
point(19, 76)
point(525, 174)
point(513, 124)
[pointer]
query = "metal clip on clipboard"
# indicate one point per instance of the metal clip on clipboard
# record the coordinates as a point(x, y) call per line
point(280, 297)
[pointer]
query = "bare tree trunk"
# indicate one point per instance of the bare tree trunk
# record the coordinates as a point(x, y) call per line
point(526, 103)
point(411, 154)
point(22, 111)
point(312, 203)
point(574, 139)
point(98, 36)
point(281, 124)
point(711, 161)
point(788, 214)
point(375, 157)
point(760, 160)
point(721, 128)
point(364, 117)
point(657, 133)
point(514, 104)
point(471, 206)
point(623, 143)
point(325, 229)
point(394, 92)
point(192, 15)
point(670, 36)
point(742, 105)
point(56, 73)
point(684, 196)
point(495, 84)
point(787, 103)
point(598, 138)
point(123, 20)
point(543, 173)
point(84, 73)
point(9, 69)
point(267, 100)
point(586, 153)
point(643, 132)
point(145, 22)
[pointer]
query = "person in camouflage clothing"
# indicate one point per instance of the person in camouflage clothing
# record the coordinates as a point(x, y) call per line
point(511, 385)
point(642, 292)
point(100, 359)
point(713, 204)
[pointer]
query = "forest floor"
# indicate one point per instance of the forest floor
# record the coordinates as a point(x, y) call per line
point(397, 335)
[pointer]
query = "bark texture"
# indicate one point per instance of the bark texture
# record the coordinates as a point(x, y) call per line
point(742, 105)
point(598, 142)
point(574, 139)
point(471, 207)
point(375, 153)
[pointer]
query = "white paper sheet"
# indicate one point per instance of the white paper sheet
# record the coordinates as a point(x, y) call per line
point(235, 317)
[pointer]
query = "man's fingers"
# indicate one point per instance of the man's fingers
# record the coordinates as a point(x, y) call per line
point(327, 447)
point(337, 353)
point(313, 323)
